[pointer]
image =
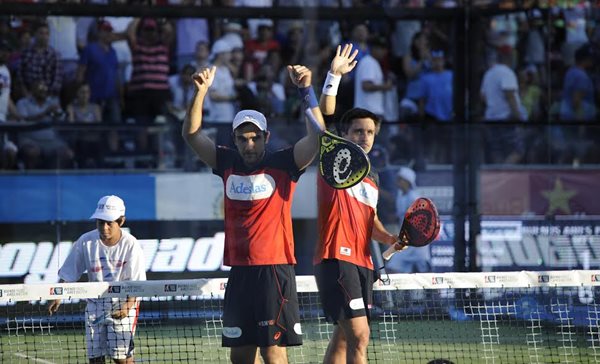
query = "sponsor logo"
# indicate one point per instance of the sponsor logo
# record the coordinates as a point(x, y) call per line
point(595, 278)
point(505, 230)
point(131, 288)
point(437, 280)
point(170, 288)
point(341, 165)
point(357, 304)
point(277, 335)
point(188, 288)
point(364, 193)
point(232, 332)
point(329, 85)
point(14, 293)
point(56, 291)
point(37, 261)
point(490, 279)
point(266, 323)
point(499, 278)
point(543, 278)
point(114, 289)
point(249, 188)
point(345, 251)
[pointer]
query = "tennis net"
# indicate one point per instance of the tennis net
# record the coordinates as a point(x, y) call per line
point(500, 317)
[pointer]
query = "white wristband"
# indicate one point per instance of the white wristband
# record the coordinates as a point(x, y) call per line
point(332, 82)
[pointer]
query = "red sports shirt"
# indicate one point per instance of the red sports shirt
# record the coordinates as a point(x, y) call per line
point(345, 222)
point(258, 202)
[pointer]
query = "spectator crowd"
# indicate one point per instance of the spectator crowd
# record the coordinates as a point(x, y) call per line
point(538, 65)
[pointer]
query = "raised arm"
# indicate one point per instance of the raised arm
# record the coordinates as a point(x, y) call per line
point(192, 123)
point(306, 148)
point(342, 63)
point(132, 32)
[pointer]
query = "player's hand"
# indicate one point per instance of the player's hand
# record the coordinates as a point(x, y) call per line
point(399, 244)
point(204, 79)
point(300, 76)
point(120, 314)
point(53, 306)
point(344, 60)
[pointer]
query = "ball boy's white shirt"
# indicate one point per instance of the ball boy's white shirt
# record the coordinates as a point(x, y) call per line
point(121, 262)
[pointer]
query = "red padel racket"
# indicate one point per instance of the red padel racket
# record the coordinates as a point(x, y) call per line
point(420, 227)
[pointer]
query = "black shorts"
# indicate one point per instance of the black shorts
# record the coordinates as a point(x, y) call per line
point(345, 289)
point(261, 307)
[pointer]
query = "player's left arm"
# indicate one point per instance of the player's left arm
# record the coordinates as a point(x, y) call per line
point(381, 234)
point(306, 148)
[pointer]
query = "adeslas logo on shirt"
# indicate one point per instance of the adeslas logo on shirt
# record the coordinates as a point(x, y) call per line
point(248, 188)
point(364, 193)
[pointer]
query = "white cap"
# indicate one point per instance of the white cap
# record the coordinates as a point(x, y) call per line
point(232, 26)
point(409, 175)
point(250, 116)
point(110, 208)
point(220, 46)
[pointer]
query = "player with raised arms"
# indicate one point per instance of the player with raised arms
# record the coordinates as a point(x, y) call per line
point(347, 221)
point(261, 305)
point(108, 254)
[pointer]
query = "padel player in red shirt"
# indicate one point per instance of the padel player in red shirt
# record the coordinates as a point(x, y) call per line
point(261, 305)
point(347, 221)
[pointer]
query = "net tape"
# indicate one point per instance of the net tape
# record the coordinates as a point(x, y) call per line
point(215, 287)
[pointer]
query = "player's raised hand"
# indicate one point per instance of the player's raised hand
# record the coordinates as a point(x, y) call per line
point(204, 79)
point(344, 60)
point(300, 75)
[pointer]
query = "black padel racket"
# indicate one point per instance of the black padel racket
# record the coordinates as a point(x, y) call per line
point(342, 163)
point(420, 227)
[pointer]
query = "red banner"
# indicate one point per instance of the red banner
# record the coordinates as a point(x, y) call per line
point(543, 192)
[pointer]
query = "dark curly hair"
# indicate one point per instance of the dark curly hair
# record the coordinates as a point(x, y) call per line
point(345, 121)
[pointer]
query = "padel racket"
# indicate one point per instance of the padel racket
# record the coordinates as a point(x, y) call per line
point(420, 227)
point(342, 163)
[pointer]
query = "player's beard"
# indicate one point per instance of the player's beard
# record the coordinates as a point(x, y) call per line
point(252, 158)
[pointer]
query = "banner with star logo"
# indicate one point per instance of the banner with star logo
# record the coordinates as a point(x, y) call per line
point(540, 192)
